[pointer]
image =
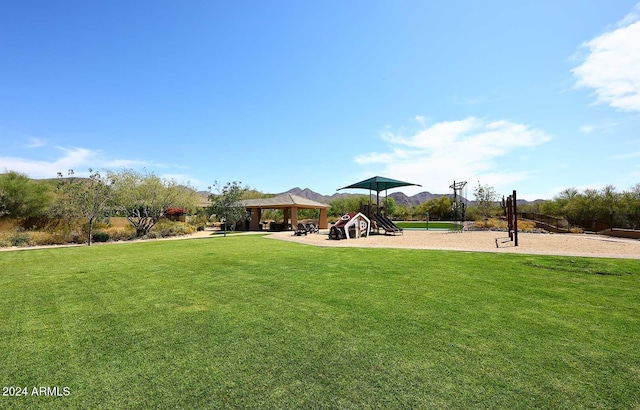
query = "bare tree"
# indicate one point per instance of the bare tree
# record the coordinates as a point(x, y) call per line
point(485, 197)
point(226, 203)
point(86, 198)
point(144, 198)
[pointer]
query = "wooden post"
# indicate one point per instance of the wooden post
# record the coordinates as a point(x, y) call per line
point(510, 217)
point(515, 218)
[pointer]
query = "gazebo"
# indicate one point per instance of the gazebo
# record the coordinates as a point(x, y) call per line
point(289, 204)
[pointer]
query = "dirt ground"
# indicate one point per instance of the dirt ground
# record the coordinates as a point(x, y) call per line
point(483, 241)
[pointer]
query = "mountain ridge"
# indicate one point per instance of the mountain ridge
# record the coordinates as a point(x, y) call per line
point(400, 197)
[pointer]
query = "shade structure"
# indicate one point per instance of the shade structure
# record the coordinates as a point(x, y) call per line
point(289, 203)
point(378, 184)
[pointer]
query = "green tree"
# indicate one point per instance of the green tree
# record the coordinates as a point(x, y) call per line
point(390, 206)
point(609, 204)
point(559, 206)
point(226, 203)
point(21, 197)
point(86, 198)
point(439, 208)
point(144, 198)
point(485, 197)
point(630, 204)
point(402, 212)
point(346, 204)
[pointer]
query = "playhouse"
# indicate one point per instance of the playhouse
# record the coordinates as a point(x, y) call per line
point(351, 225)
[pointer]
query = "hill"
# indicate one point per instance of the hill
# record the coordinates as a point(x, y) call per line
point(399, 197)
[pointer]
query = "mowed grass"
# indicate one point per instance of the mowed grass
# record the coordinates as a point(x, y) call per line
point(247, 322)
point(423, 225)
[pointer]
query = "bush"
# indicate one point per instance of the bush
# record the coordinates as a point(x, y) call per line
point(152, 235)
point(168, 228)
point(500, 224)
point(200, 228)
point(47, 238)
point(526, 226)
point(19, 238)
point(490, 224)
point(121, 233)
point(100, 236)
point(76, 237)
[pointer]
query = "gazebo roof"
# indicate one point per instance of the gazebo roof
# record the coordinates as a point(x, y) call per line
point(283, 201)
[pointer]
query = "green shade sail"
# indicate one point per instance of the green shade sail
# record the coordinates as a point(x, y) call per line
point(378, 184)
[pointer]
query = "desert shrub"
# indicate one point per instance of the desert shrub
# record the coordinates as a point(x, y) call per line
point(152, 235)
point(526, 226)
point(20, 238)
point(24, 238)
point(47, 238)
point(100, 236)
point(38, 224)
point(101, 225)
point(501, 224)
point(126, 233)
point(490, 223)
point(4, 240)
point(169, 228)
point(77, 237)
point(198, 220)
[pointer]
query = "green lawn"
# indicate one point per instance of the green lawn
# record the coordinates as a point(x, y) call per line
point(423, 224)
point(246, 322)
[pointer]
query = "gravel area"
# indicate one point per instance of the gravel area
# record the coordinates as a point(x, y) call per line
point(482, 241)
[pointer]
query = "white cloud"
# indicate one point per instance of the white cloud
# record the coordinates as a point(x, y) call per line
point(587, 129)
point(72, 158)
point(629, 155)
point(76, 158)
point(184, 179)
point(468, 149)
point(610, 67)
point(125, 163)
point(421, 119)
point(36, 142)
point(80, 160)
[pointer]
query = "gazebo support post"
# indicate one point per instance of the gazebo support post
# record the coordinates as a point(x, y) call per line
point(322, 221)
point(256, 215)
point(294, 217)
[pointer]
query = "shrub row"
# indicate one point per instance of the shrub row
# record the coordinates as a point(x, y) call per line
point(501, 224)
point(166, 229)
point(25, 238)
point(21, 237)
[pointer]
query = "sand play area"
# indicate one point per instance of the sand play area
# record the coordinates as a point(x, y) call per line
point(484, 241)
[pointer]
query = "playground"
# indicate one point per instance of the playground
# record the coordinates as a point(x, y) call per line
point(482, 241)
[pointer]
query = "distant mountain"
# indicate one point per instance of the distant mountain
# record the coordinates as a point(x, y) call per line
point(417, 199)
point(309, 194)
point(399, 197)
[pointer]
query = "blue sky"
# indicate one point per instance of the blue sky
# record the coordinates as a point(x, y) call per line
point(535, 96)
